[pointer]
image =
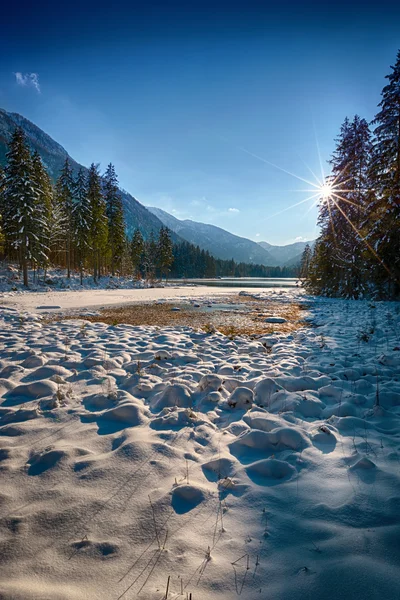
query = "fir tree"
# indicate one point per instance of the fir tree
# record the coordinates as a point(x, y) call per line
point(338, 261)
point(115, 215)
point(41, 181)
point(305, 261)
point(384, 234)
point(137, 249)
point(82, 219)
point(22, 220)
point(2, 200)
point(150, 257)
point(64, 195)
point(99, 224)
point(164, 251)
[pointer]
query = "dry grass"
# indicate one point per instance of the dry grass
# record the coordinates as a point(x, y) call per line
point(246, 319)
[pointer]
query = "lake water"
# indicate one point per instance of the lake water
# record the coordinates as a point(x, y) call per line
point(242, 282)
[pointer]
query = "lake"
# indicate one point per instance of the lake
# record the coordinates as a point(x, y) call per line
point(242, 282)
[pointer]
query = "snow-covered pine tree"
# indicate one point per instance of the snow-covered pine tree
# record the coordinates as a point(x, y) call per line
point(137, 249)
point(384, 234)
point(164, 251)
point(22, 220)
point(82, 220)
point(44, 188)
point(305, 261)
point(64, 197)
point(350, 172)
point(57, 227)
point(338, 263)
point(150, 258)
point(2, 190)
point(115, 216)
point(99, 221)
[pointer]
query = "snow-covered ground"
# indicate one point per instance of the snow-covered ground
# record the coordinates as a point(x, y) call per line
point(72, 300)
point(133, 459)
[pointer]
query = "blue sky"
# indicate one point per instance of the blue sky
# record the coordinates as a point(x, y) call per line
point(184, 97)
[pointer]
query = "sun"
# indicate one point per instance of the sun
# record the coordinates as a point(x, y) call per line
point(326, 190)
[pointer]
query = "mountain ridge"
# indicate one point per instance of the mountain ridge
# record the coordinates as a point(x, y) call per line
point(54, 154)
point(219, 242)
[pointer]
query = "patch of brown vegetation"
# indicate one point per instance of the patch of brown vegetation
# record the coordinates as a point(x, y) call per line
point(247, 316)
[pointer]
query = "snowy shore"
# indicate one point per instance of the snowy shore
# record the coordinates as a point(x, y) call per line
point(133, 456)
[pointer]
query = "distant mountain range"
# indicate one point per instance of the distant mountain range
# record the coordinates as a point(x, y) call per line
point(219, 242)
point(222, 244)
point(289, 255)
point(54, 155)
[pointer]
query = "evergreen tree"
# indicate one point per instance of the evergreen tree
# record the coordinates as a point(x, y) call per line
point(137, 249)
point(22, 220)
point(64, 195)
point(99, 222)
point(164, 251)
point(115, 215)
point(150, 257)
point(384, 236)
point(338, 261)
point(305, 261)
point(82, 219)
point(41, 181)
point(2, 200)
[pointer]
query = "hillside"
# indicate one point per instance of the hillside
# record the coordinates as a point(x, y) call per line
point(220, 243)
point(54, 155)
point(289, 255)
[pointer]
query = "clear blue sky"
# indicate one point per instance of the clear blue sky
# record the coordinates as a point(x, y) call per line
point(173, 93)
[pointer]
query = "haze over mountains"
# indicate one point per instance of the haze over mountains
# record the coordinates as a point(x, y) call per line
point(219, 242)
point(226, 245)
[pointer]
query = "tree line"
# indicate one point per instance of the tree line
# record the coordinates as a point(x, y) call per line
point(357, 253)
point(78, 224)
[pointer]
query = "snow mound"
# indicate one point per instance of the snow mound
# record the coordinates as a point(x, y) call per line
point(186, 497)
point(270, 468)
point(241, 397)
point(210, 383)
point(172, 395)
point(131, 414)
point(364, 463)
point(270, 442)
point(218, 469)
point(33, 391)
point(264, 390)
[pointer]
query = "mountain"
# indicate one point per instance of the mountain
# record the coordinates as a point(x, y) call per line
point(54, 155)
point(217, 241)
point(286, 256)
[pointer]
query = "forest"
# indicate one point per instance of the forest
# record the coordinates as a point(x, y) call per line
point(78, 224)
point(357, 253)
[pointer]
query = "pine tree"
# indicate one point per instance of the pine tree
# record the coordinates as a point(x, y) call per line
point(82, 219)
point(384, 235)
point(22, 220)
point(2, 201)
point(150, 257)
point(338, 261)
point(44, 188)
point(305, 261)
point(115, 215)
point(137, 249)
point(164, 251)
point(64, 196)
point(99, 222)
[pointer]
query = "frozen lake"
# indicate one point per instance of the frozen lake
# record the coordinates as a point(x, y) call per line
point(243, 282)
